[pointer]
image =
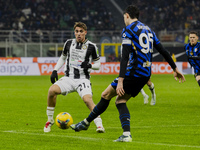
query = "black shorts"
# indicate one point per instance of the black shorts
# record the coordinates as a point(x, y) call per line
point(132, 86)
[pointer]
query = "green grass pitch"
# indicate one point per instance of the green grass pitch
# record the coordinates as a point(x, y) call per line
point(173, 123)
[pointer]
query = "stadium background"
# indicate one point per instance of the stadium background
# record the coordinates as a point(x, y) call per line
point(38, 28)
point(37, 38)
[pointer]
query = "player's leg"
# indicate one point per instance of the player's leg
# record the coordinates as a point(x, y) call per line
point(63, 86)
point(131, 87)
point(98, 109)
point(153, 94)
point(106, 96)
point(198, 78)
point(84, 89)
point(54, 90)
point(90, 104)
point(145, 96)
point(124, 117)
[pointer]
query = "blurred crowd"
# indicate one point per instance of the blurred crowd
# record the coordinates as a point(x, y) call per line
point(54, 14)
point(169, 15)
point(160, 15)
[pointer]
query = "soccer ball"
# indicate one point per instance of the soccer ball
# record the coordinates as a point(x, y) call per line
point(64, 120)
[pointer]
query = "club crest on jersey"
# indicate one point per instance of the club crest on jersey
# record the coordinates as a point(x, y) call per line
point(195, 49)
point(124, 35)
point(147, 64)
point(84, 47)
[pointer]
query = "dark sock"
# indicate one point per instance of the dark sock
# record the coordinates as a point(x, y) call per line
point(98, 109)
point(199, 82)
point(151, 88)
point(124, 116)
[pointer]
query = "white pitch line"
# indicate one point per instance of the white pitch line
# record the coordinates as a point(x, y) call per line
point(98, 139)
point(47, 134)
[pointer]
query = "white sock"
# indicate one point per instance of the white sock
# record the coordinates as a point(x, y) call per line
point(127, 133)
point(98, 121)
point(86, 121)
point(50, 113)
point(143, 93)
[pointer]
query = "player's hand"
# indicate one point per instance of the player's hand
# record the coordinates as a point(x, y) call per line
point(120, 90)
point(86, 65)
point(179, 75)
point(54, 77)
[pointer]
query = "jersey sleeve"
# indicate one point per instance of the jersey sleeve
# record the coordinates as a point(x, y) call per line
point(198, 49)
point(165, 54)
point(125, 50)
point(95, 53)
point(155, 39)
point(66, 47)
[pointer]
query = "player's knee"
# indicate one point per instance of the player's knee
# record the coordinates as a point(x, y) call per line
point(51, 92)
point(105, 95)
point(54, 90)
point(87, 98)
point(149, 83)
point(198, 82)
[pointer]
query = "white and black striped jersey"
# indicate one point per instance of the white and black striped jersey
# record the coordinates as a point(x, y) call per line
point(75, 54)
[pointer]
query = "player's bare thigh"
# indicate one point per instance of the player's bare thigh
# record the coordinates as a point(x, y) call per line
point(109, 93)
point(149, 83)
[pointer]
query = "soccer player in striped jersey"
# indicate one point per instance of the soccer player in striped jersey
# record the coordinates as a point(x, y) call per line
point(193, 53)
point(135, 70)
point(78, 55)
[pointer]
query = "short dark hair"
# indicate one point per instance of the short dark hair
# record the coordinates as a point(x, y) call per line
point(193, 32)
point(81, 25)
point(133, 11)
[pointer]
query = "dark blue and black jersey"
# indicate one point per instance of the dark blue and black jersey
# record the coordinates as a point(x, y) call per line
point(193, 54)
point(138, 41)
point(140, 38)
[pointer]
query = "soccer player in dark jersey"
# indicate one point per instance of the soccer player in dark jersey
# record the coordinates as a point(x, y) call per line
point(135, 70)
point(153, 93)
point(78, 55)
point(193, 53)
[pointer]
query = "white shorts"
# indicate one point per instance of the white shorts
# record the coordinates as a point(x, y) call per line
point(69, 85)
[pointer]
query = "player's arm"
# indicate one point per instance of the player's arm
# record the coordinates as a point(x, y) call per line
point(96, 65)
point(54, 75)
point(185, 49)
point(95, 57)
point(61, 61)
point(166, 55)
point(126, 48)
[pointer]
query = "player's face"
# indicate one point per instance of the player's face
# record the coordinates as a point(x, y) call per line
point(193, 39)
point(80, 34)
point(126, 19)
